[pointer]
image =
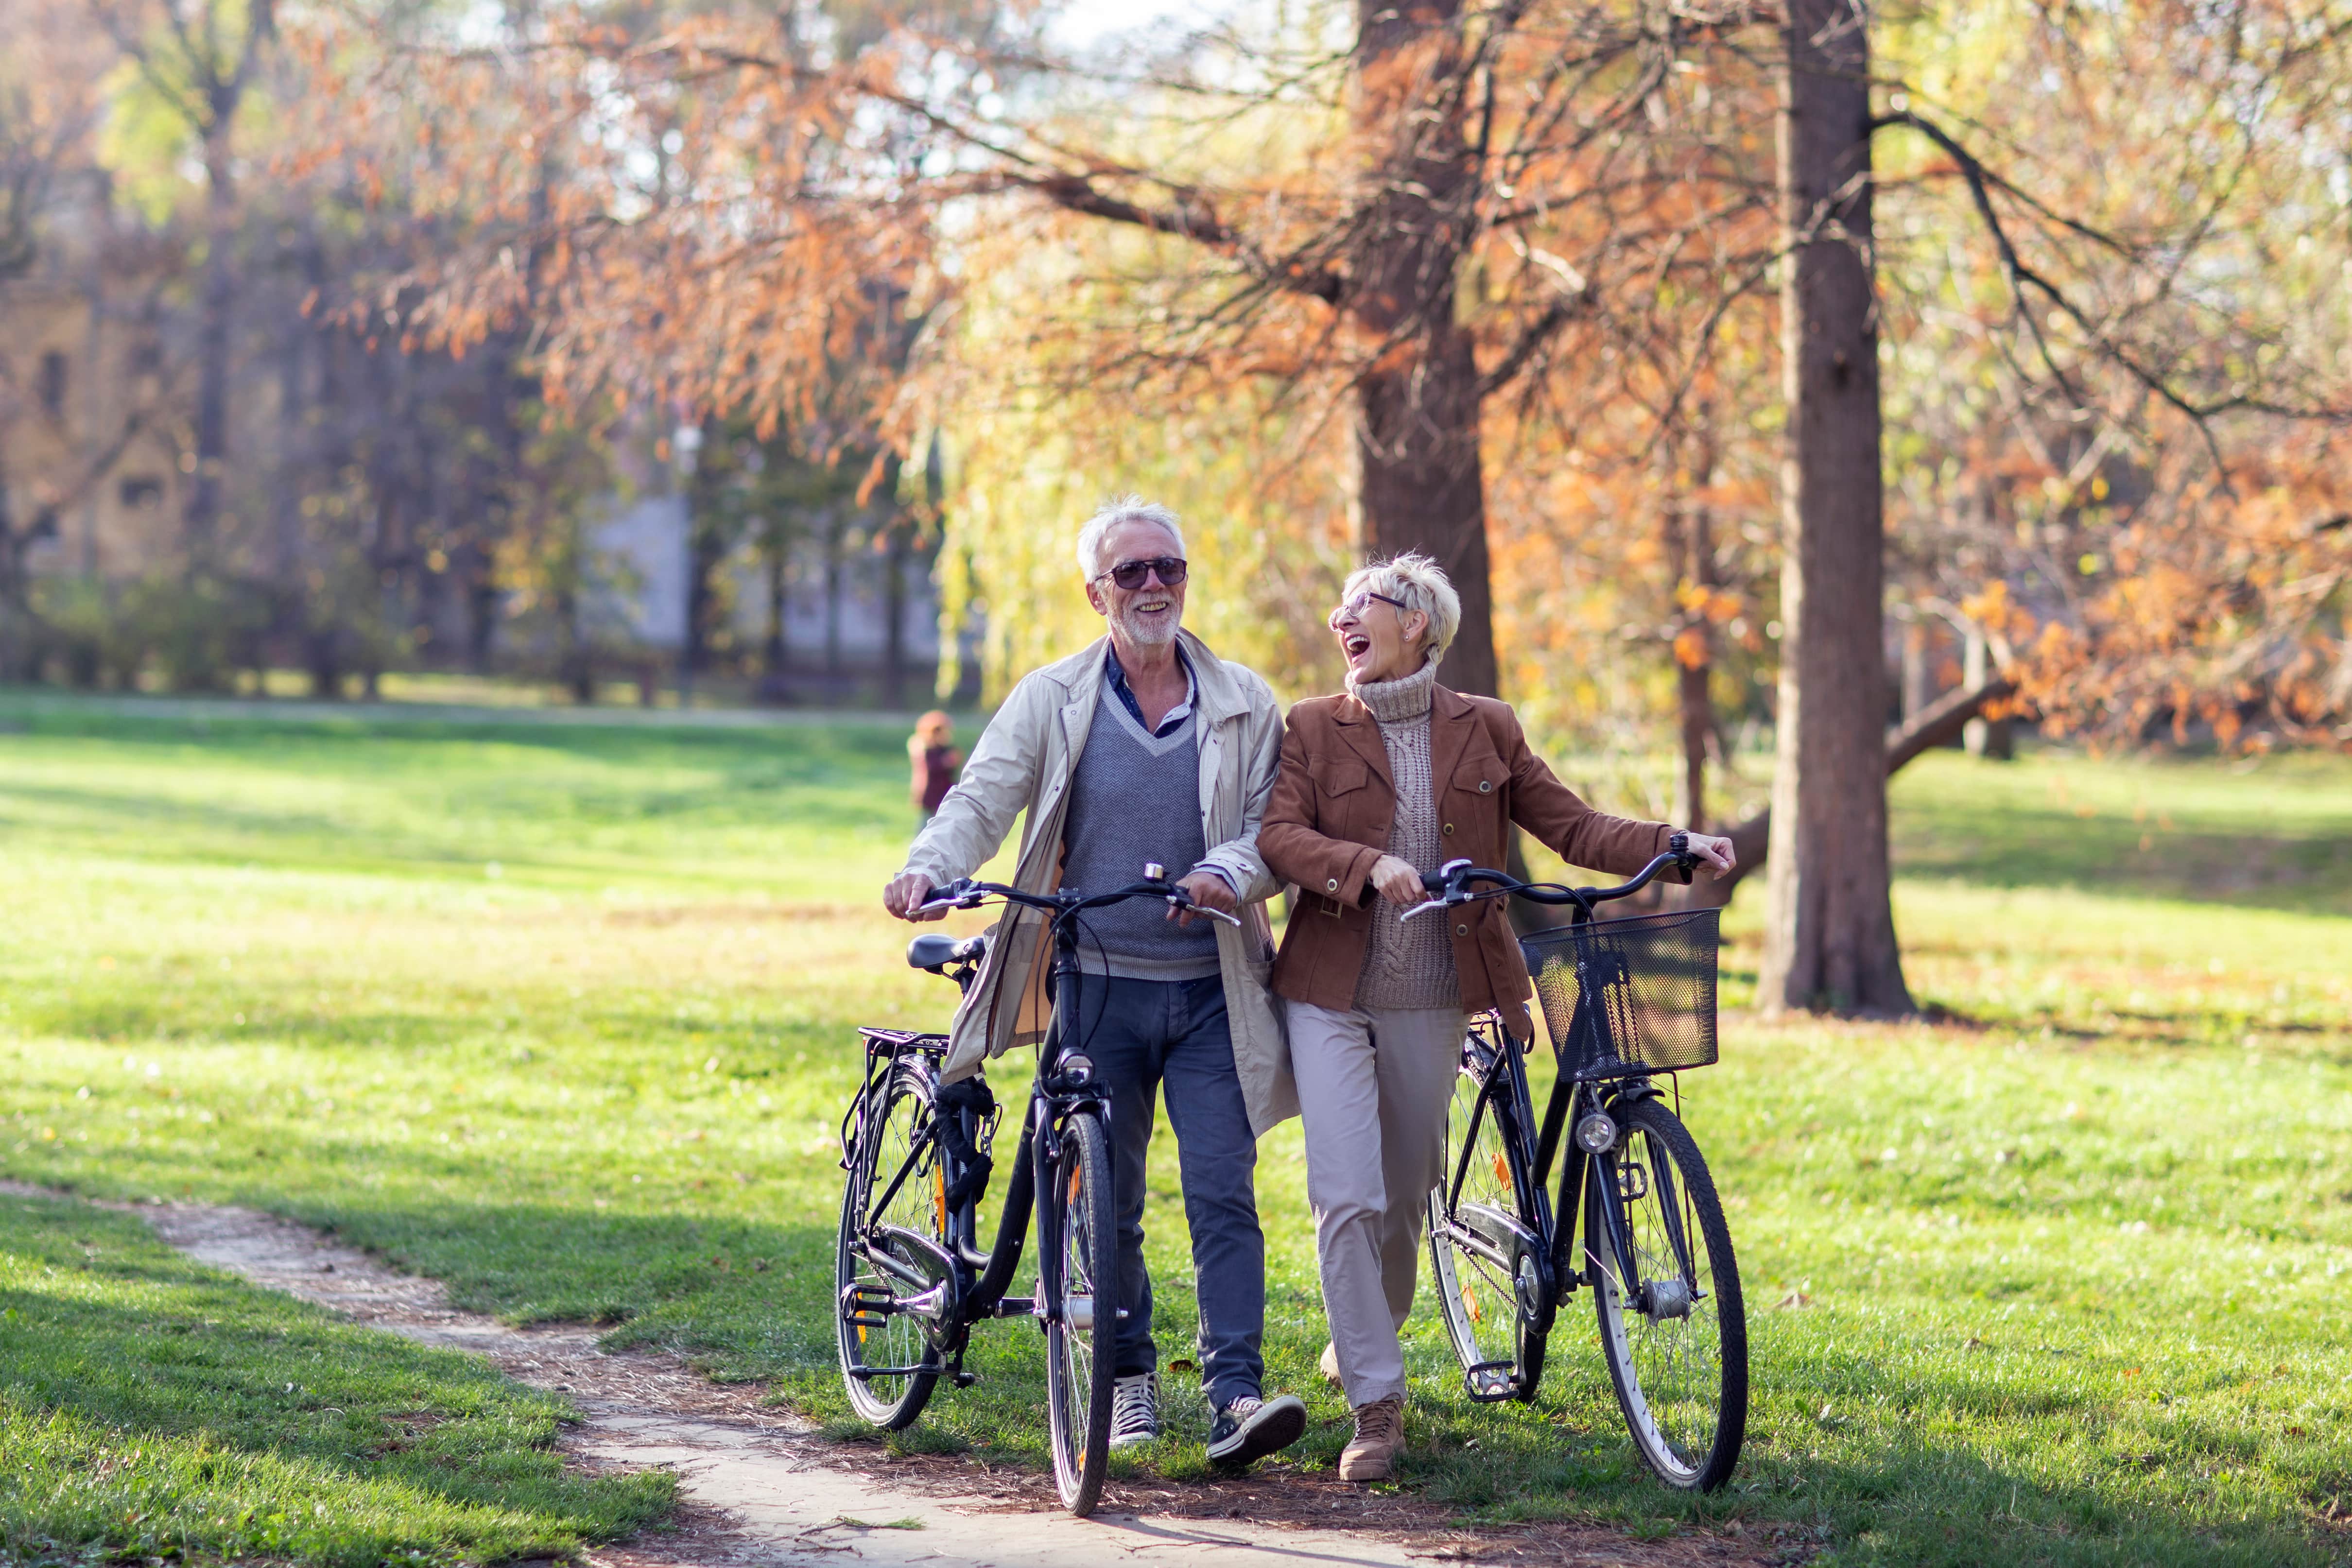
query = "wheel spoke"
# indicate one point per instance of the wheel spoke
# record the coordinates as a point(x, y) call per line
point(1479, 1296)
point(1671, 1323)
point(895, 1182)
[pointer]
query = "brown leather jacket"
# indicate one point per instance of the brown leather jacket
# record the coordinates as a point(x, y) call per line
point(1328, 821)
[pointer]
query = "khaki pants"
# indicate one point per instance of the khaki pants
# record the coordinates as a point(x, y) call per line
point(1373, 1087)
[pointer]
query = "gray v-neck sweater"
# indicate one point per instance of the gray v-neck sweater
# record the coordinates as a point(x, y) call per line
point(1136, 797)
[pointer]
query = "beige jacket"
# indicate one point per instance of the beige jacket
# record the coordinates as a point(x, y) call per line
point(1023, 761)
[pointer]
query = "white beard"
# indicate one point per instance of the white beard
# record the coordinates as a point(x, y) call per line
point(1145, 633)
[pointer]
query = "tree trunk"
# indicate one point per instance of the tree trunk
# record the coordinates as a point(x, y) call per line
point(1937, 724)
point(1984, 737)
point(16, 639)
point(1417, 443)
point(1418, 402)
point(833, 530)
point(1691, 545)
point(216, 305)
point(894, 613)
point(773, 653)
point(1830, 932)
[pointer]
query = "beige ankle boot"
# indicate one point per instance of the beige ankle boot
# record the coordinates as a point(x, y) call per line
point(1370, 1455)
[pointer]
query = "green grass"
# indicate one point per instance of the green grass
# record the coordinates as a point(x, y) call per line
point(152, 1408)
point(561, 1015)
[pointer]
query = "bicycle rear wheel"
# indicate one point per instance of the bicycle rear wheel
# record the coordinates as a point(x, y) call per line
point(888, 1361)
point(1080, 1284)
point(1485, 1244)
point(1673, 1326)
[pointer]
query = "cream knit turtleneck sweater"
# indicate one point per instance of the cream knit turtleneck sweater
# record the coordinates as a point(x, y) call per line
point(1407, 966)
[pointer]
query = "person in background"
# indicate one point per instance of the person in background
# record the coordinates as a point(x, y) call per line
point(931, 748)
point(1379, 785)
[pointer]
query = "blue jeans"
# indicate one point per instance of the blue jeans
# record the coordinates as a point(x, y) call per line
point(1142, 1034)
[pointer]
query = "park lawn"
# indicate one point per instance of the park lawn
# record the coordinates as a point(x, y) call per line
point(150, 1407)
point(561, 1015)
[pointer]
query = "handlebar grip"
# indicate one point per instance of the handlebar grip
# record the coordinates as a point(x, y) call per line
point(946, 898)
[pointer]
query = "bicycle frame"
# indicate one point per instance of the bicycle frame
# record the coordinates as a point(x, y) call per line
point(1511, 1101)
point(972, 1283)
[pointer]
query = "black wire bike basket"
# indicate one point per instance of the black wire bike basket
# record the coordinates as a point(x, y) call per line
point(1624, 998)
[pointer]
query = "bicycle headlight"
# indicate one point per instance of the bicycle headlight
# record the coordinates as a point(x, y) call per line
point(1596, 1133)
point(1079, 1069)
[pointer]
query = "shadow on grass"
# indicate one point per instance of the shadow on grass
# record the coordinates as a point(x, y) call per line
point(2009, 845)
point(148, 1407)
point(749, 1299)
point(1879, 1494)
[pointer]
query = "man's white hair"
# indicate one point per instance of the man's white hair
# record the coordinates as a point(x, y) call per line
point(1117, 510)
point(1421, 584)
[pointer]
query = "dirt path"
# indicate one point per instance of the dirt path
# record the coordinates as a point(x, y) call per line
point(760, 1489)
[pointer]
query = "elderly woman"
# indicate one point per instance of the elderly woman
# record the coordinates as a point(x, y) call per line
point(1377, 786)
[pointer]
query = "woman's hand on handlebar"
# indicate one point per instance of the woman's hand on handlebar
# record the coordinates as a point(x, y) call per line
point(1397, 881)
point(1714, 853)
point(907, 894)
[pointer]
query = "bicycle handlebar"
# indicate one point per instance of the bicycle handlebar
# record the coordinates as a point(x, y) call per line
point(1451, 883)
point(966, 894)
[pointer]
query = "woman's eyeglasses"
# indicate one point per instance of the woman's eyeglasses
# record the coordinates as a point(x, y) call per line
point(1354, 608)
point(1128, 574)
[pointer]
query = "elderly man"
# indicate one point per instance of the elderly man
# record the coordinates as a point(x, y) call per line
point(1145, 747)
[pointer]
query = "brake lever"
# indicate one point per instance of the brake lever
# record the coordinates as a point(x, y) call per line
point(966, 899)
point(1422, 908)
point(1178, 901)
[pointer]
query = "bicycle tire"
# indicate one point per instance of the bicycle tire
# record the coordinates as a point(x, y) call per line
point(1680, 1367)
point(1080, 1274)
point(897, 1115)
point(1473, 1292)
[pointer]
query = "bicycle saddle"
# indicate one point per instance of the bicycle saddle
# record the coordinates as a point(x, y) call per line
point(934, 951)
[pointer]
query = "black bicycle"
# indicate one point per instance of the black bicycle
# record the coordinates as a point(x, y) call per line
point(909, 1276)
point(1626, 1001)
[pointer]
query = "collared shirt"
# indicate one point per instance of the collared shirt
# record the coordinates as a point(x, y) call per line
point(1115, 677)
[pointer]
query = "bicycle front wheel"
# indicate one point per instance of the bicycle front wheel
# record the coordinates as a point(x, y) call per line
point(1486, 1237)
point(888, 1363)
point(1673, 1326)
point(1081, 1290)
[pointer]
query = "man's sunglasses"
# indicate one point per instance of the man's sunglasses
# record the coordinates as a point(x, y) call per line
point(1128, 574)
point(1354, 608)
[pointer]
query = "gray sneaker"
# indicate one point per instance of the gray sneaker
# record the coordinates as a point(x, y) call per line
point(1250, 1428)
point(1135, 1410)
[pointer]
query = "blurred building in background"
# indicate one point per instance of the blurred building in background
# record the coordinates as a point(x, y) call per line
point(386, 506)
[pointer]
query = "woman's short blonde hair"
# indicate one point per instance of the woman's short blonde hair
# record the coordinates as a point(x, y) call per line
point(1421, 584)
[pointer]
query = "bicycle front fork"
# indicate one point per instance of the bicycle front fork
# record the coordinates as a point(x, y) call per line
point(1594, 1174)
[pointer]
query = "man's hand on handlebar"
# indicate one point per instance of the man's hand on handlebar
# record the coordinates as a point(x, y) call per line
point(907, 894)
point(1207, 890)
point(1714, 853)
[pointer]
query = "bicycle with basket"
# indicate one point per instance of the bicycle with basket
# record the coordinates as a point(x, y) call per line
point(1627, 1002)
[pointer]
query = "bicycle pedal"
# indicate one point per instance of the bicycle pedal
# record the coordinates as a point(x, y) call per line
point(966, 1379)
point(1491, 1382)
point(866, 1306)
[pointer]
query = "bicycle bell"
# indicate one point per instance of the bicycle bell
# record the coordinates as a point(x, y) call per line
point(1596, 1133)
point(1154, 872)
